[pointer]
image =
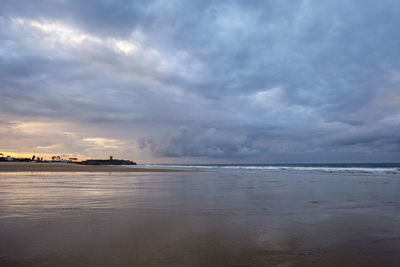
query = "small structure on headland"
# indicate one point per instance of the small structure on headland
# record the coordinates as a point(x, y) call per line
point(110, 161)
point(12, 159)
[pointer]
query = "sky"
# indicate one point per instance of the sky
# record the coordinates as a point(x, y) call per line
point(201, 81)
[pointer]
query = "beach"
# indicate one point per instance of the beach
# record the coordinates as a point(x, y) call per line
point(215, 217)
point(71, 167)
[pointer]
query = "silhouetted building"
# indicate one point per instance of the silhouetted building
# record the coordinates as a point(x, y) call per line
point(111, 161)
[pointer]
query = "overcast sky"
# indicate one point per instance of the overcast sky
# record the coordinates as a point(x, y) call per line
point(202, 81)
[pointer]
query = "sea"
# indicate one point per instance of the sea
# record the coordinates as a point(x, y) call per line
point(390, 168)
point(205, 215)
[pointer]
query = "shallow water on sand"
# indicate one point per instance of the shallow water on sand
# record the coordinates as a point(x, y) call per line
point(219, 217)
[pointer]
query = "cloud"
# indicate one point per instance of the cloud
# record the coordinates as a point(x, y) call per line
point(245, 81)
point(199, 142)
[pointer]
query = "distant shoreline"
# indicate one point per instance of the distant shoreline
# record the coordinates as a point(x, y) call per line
point(71, 167)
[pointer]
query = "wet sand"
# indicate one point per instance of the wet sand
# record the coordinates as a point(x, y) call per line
point(209, 218)
point(71, 167)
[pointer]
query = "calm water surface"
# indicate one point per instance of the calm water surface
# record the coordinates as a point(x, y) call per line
point(216, 217)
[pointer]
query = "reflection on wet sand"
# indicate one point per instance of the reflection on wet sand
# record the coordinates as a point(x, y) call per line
point(221, 218)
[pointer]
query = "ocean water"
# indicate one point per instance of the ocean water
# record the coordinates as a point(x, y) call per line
point(391, 168)
point(225, 215)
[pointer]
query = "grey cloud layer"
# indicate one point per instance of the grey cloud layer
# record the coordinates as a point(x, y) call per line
point(244, 80)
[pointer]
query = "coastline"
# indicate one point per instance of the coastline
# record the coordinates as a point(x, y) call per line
point(71, 167)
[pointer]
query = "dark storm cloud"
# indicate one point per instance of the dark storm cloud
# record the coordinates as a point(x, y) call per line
point(238, 79)
point(197, 142)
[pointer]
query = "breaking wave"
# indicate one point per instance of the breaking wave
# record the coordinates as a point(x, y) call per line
point(360, 168)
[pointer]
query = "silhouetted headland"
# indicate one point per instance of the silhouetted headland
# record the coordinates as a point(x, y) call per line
point(110, 161)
